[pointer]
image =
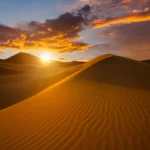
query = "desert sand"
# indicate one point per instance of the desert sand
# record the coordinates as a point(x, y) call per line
point(104, 105)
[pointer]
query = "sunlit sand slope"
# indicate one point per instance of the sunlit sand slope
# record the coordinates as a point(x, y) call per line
point(84, 112)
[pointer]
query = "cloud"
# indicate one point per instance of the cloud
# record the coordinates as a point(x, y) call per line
point(144, 16)
point(117, 8)
point(123, 27)
point(61, 34)
point(54, 34)
point(64, 7)
point(8, 33)
point(131, 40)
point(1, 52)
point(129, 34)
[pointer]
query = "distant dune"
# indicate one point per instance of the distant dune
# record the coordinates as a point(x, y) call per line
point(19, 63)
point(23, 58)
point(26, 58)
point(25, 62)
point(146, 61)
point(65, 64)
point(104, 105)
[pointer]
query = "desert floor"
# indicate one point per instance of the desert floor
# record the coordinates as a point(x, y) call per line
point(103, 104)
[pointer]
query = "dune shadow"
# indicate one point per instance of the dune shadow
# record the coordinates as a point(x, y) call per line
point(118, 71)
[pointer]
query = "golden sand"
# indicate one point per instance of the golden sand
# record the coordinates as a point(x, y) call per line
point(105, 105)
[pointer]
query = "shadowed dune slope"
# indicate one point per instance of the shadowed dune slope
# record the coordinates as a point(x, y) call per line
point(118, 70)
point(17, 87)
point(84, 111)
point(146, 61)
point(11, 69)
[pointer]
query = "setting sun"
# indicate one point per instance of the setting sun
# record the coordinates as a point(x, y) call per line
point(45, 57)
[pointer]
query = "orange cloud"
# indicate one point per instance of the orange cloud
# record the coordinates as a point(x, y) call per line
point(49, 29)
point(111, 33)
point(58, 35)
point(146, 9)
point(56, 42)
point(127, 1)
point(144, 16)
point(1, 52)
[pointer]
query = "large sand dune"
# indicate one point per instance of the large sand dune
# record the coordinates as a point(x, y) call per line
point(105, 105)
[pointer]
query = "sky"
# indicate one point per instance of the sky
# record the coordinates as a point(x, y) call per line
point(75, 29)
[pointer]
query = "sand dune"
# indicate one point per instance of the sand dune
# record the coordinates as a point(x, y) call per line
point(29, 59)
point(23, 58)
point(10, 67)
point(119, 71)
point(65, 64)
point(103, 106)
point(146, 61)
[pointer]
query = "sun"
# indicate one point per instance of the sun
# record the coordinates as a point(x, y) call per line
point(45, 57)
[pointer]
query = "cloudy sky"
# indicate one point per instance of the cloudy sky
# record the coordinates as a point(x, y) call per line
point(75, 29)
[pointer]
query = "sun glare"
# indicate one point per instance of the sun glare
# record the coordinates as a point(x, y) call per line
point(45, 57)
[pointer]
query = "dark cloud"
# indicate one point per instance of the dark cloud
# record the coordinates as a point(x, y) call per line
point(116, 1)
point(8, 33)
point(53, 34)
point(86, 8)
